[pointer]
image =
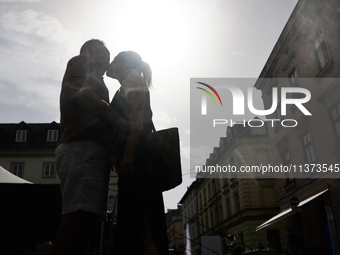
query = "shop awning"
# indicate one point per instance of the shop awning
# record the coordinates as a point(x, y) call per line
point(7, 177)
point(288, 212)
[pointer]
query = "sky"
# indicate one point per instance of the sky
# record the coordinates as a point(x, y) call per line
point(180, 39)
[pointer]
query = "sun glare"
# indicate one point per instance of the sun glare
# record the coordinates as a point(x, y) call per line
point(157, 30)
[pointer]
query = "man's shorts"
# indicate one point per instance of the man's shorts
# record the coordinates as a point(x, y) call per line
point(84, 173)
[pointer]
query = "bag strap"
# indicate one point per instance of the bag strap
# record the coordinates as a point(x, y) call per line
point(147, 101)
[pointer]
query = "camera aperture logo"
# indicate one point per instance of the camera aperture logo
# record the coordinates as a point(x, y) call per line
point(204, 97)
point(287, 96)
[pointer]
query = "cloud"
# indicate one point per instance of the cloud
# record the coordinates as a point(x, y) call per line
point(34, 23)
point(20, 1)
point(185, 151)
point(34, 50)
point(199, 154)
point(163, 120)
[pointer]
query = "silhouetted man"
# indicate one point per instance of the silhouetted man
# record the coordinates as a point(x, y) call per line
point(82, 160)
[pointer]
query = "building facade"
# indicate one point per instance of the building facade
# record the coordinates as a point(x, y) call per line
point(230, 203)
point(27, 150)
point(190, 218)
point(174, 226)
point(307, 55)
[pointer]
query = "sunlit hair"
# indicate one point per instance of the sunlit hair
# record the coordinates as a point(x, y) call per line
point(91, 46)
point(132, 60)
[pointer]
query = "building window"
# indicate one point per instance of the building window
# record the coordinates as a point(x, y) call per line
point(228, 208)
point(21, 136)
point(209, 191)
point(335, 114)
point(212, 223)
point(321, 50)
point(217, 220)
point(308, 148)
point(286, 162)
point(49, 170)
point(221, 212)
point(237, 203)
point(294, 82)
point(204, 196)
point(52, 136)
point(18, 169)
point(294, 77)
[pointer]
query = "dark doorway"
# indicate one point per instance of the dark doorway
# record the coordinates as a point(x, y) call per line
point(273, 237)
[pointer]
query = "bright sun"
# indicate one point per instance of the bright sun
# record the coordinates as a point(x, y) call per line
point(157, 30)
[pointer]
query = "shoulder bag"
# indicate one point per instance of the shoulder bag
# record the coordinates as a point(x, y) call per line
point(165, 171)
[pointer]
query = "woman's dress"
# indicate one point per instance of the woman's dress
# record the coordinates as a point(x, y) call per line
point(135, 199)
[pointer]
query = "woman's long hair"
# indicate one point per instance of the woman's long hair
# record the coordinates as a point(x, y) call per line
point(132, 60)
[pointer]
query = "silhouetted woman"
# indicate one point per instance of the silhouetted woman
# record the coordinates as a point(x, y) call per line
point(141, 227)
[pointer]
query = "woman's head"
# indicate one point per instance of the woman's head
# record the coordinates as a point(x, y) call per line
point(127, 60)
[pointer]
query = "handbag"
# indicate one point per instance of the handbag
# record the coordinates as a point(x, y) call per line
point(159, 150)
point(165, 171)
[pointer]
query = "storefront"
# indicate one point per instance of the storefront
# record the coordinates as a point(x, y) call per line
point(312, 224)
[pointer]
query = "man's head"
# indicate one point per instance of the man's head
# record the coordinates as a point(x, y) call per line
point(100, 55)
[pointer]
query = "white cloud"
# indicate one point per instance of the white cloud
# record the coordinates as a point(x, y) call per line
point(163, 120)
point(34, 50)
point(34, 23)
point(199, 154)
point(20, 1)
point(185, 151)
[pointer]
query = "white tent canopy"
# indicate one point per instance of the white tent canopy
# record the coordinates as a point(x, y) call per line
point(7, 177)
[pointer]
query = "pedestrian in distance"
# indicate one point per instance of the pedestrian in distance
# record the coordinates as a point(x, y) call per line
point(260, 246)
point(235, 245)
point(272, 244)
point(293, 243)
